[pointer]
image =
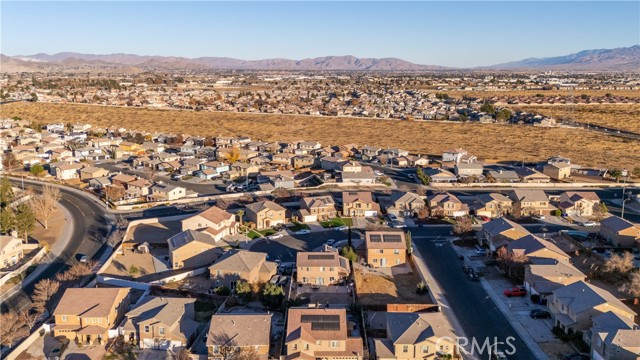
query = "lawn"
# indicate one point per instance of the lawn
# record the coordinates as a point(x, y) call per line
point(336, 222)
point(487, 141)
point(260, 233)
point(298, 226)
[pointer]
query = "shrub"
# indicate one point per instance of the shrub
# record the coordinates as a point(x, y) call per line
point(535, 298)
point(422, 288)
point(556, 213)
point(222, 290)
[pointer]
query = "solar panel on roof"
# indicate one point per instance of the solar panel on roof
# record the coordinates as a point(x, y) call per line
point(375, 238)
point(322, 322)
point(320, 257)
point(392, 238)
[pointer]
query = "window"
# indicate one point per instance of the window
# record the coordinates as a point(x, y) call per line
point(161, 331)
point(216, 349)
point(396, 251)
point(381, 251)
point(405, 348)
point(334, 344)
point(146, 328)
point(295, 347)
point(425, 349)
point(321, 268)
point(64, 317)
point(99, 320)
point(332, 269)
point(306, 346)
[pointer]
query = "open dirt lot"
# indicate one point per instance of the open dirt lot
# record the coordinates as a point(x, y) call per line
point(501, 142)
point(622, 116)
point(153, 233)
point(378, 289)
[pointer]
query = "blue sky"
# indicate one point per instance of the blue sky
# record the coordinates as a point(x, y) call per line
point(452, 33)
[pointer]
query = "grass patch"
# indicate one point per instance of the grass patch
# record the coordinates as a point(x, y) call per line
point(204, 310)
point(267, 232)
point(336, 222)
point(508, 142)
point(298, 226)
point(253, 234)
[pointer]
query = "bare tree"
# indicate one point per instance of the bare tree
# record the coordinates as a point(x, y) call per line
point(29, 317)
point(12, 328)
point(45, 205)
point(42, 294)
point(462, 226)
point(632, 286)
point(600, 211)
point(619, 264)
point(512, 263)
point(113, 192)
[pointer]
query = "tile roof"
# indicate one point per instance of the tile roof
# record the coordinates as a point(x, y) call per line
point(88, 302)
point(239, 330)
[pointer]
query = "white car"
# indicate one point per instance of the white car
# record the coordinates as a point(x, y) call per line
point(275, 236)
point(303, 232)
point(378, 173)
point(330, 242)
point(589, 224)
point(342, 228)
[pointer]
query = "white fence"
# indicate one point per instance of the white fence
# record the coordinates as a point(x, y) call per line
point(6, 277)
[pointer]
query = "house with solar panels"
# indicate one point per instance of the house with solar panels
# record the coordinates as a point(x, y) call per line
point(321, 268)
point(385, 248)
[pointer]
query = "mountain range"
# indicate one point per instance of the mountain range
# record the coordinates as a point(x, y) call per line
point(619, 59)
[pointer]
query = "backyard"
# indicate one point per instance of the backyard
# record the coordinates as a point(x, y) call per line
point(374, 288)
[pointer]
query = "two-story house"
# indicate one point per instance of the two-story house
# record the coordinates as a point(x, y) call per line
point(236, 265)
point(166, 192)
point(491, 205)
point(405, 203)
point(414, 336)
point(447, 204)
point(162, 323)
point(359, 204)
point(87, 314)
point(317, 208)
point(578, 203)
point(501, 231)
point(613, 337)
point(214, 221)
point(245, 334)
point(11, 250)
point(620, 232)
point(266, 214)
point(530, 202)
point(321, 268)
point(557, 171)
point(321, 333)
point(385, 248)
point(544, 278)
point(191, 249)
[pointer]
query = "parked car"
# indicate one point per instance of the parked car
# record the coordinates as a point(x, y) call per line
point(516, 291)
point(589, 224)
point(342, 228)
point(539, 314)
point(330, 242)
point(466, 268)
point(378, 173)
point(275, 236)
point(82, 258)
point(397, 225)
point(303, 232)
point(473, 276)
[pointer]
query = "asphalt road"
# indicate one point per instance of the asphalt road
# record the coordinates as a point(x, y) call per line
point(478, 314)
point(90, 230)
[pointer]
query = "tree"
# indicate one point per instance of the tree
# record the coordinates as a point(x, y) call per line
point(29, 317)
point(280, 193)
point(632, 286)
point(7, 220)
point(271, 295)
point(512, 263)
point(12, 328)
point(488, 108)
point(424, 179)
point(25, 220)
point(37, 170)
point(243, 290)
point(133, 271)
point(233, 155)
point(9, 161)
point(183, 354)
point(615, 174)
point(503, 115)
point(600, 211)
point(349, 253)
point(240, 215)
point(113, 193)
point(45, 205)
point(43, 293)
point(619, 264)
point(462, 226)
point(6, 192)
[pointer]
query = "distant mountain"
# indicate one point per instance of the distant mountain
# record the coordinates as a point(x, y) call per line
point(334, 63)
point(618, 59)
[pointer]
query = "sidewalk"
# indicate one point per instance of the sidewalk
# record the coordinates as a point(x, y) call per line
point(439, 298)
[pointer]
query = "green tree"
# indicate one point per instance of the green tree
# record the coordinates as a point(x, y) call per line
point(424, 179)
point(615, 174)
point(6, 192)
point(488, 108)
point(503, 115)
point(37, 170)
point(25, 220)
point(243, 290)
point(7, 220)
point(600, 211)
point(133, 271)
point(349, 253)
point(636, 171)
point(271, 295)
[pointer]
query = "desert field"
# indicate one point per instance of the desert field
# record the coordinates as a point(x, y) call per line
point(595, 93)
point(623, 116)
point(488, 141)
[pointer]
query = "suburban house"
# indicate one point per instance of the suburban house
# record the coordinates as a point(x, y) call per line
point(321, 333)
point(167, 192)
point(190, 248)
point(468, 170)
point(446, 204)
point(214, 221)
point(321, 268)
point(266, 214)
point(240, 265)
point(405, 204)
point(92, 172)
point(317, 208)
point(501, 231)
point(414, 336)
point(558, 170)
point(68, 171)
point(613, 337)
point(502, 176)
point(574, 306)
point(453, 155)
point(87, 314)
point(537, 249)
point(162, 323)
point(491, 205)
point(138, 188)
point(528, 175)
point(359, 204)
point(531, 202)
point(544, 278)
point(11, 250)
point(439, 175)
point(385, 248)
point(620, 232)
point(578, 203)
point(238, 333)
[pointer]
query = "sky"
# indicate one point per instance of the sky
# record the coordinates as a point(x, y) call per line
point(453, 33)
